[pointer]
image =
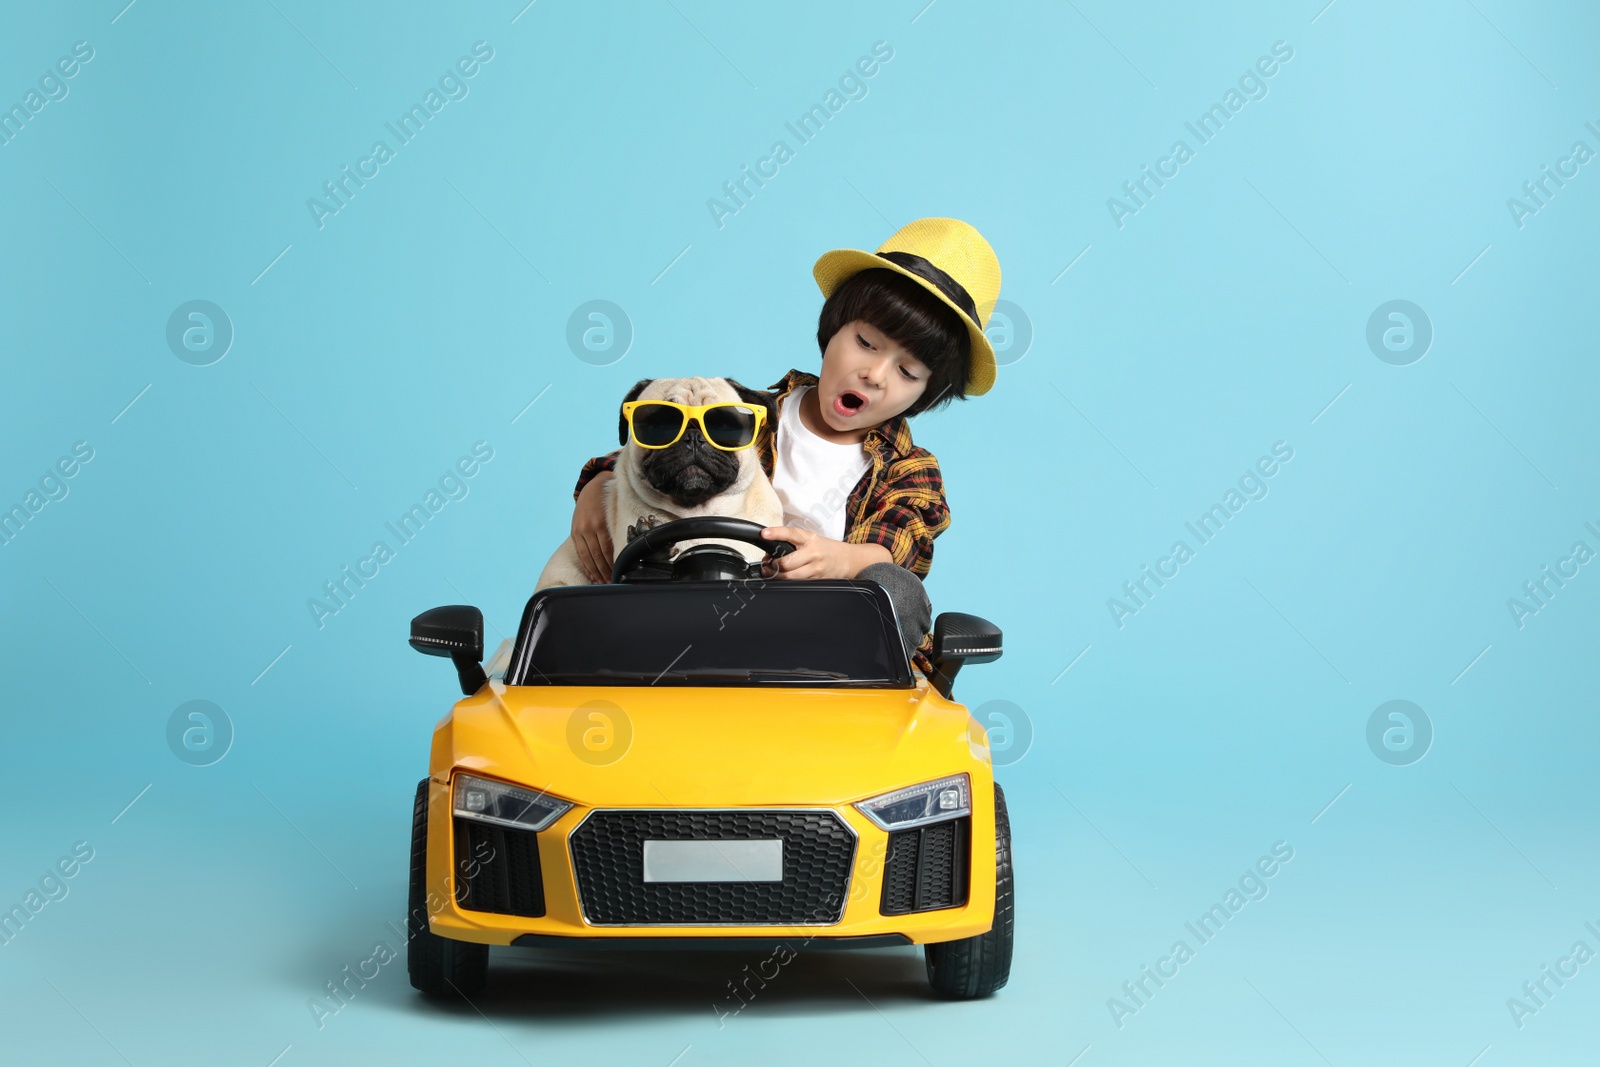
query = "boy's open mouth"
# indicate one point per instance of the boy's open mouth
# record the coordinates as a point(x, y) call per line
point(849, 403)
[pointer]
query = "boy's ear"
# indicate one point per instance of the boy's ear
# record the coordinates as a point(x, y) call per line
point(622, 420)
point(759, 399)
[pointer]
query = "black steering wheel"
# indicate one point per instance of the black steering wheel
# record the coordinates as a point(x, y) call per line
point(701, 563)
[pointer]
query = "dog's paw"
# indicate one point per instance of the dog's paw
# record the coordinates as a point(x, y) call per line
point(646, 522)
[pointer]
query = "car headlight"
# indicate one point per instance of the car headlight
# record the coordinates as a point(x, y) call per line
point(918, 805)
point(505, 805)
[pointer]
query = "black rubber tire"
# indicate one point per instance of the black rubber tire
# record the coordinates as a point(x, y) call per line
point(437, 965)
point(977, 966)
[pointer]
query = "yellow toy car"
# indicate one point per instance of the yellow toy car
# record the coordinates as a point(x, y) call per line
point(692, 757)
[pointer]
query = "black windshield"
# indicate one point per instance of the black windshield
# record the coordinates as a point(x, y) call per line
point(830, 633)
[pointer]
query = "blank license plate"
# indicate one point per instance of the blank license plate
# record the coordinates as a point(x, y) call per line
point(713, 861)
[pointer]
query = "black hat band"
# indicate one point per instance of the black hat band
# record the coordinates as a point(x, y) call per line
point(947, 285)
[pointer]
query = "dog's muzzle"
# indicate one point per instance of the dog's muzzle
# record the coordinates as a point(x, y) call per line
point(691, 471)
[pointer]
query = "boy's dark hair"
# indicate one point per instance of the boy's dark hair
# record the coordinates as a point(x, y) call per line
point(913, 318)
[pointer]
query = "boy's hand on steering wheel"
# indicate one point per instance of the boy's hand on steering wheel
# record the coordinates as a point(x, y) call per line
point(814, 556)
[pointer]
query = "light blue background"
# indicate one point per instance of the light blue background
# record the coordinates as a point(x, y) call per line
point(1226, 315)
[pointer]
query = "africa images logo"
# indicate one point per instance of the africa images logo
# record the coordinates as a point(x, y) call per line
point(53, 88)
point(852, 86)
point(1252, 486)
point(1251, 886)
point(452, 86)
point(453, 485)
point(1252, 86)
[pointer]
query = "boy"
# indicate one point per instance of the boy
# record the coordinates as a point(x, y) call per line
point(901, 332)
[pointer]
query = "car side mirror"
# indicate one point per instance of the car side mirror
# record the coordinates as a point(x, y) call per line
point(456, 631)
point(959, 639)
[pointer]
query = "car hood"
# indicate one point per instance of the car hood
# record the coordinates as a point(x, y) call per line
point(675, 746)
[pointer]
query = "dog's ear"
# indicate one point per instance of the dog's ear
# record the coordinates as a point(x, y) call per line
point(622, 420)
point(759, 399)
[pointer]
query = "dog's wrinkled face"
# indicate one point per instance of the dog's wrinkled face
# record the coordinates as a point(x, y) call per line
point(691, 471)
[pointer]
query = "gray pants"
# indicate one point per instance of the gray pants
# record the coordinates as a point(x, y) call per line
point(911, 602)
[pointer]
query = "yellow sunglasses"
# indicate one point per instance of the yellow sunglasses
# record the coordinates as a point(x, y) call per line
point(729, 426)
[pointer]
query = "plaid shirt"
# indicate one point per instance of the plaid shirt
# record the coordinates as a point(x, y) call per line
point(898, 503)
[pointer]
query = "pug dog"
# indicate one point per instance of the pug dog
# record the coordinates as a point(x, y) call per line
point(686, 480)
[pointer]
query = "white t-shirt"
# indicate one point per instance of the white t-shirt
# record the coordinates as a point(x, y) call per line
point(812, 475)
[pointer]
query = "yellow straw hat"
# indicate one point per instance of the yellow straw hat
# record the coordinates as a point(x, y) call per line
point(948, 258)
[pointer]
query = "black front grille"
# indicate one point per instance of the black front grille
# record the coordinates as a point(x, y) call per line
point(497, 869)
point(926, 868)
point(608, 860)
